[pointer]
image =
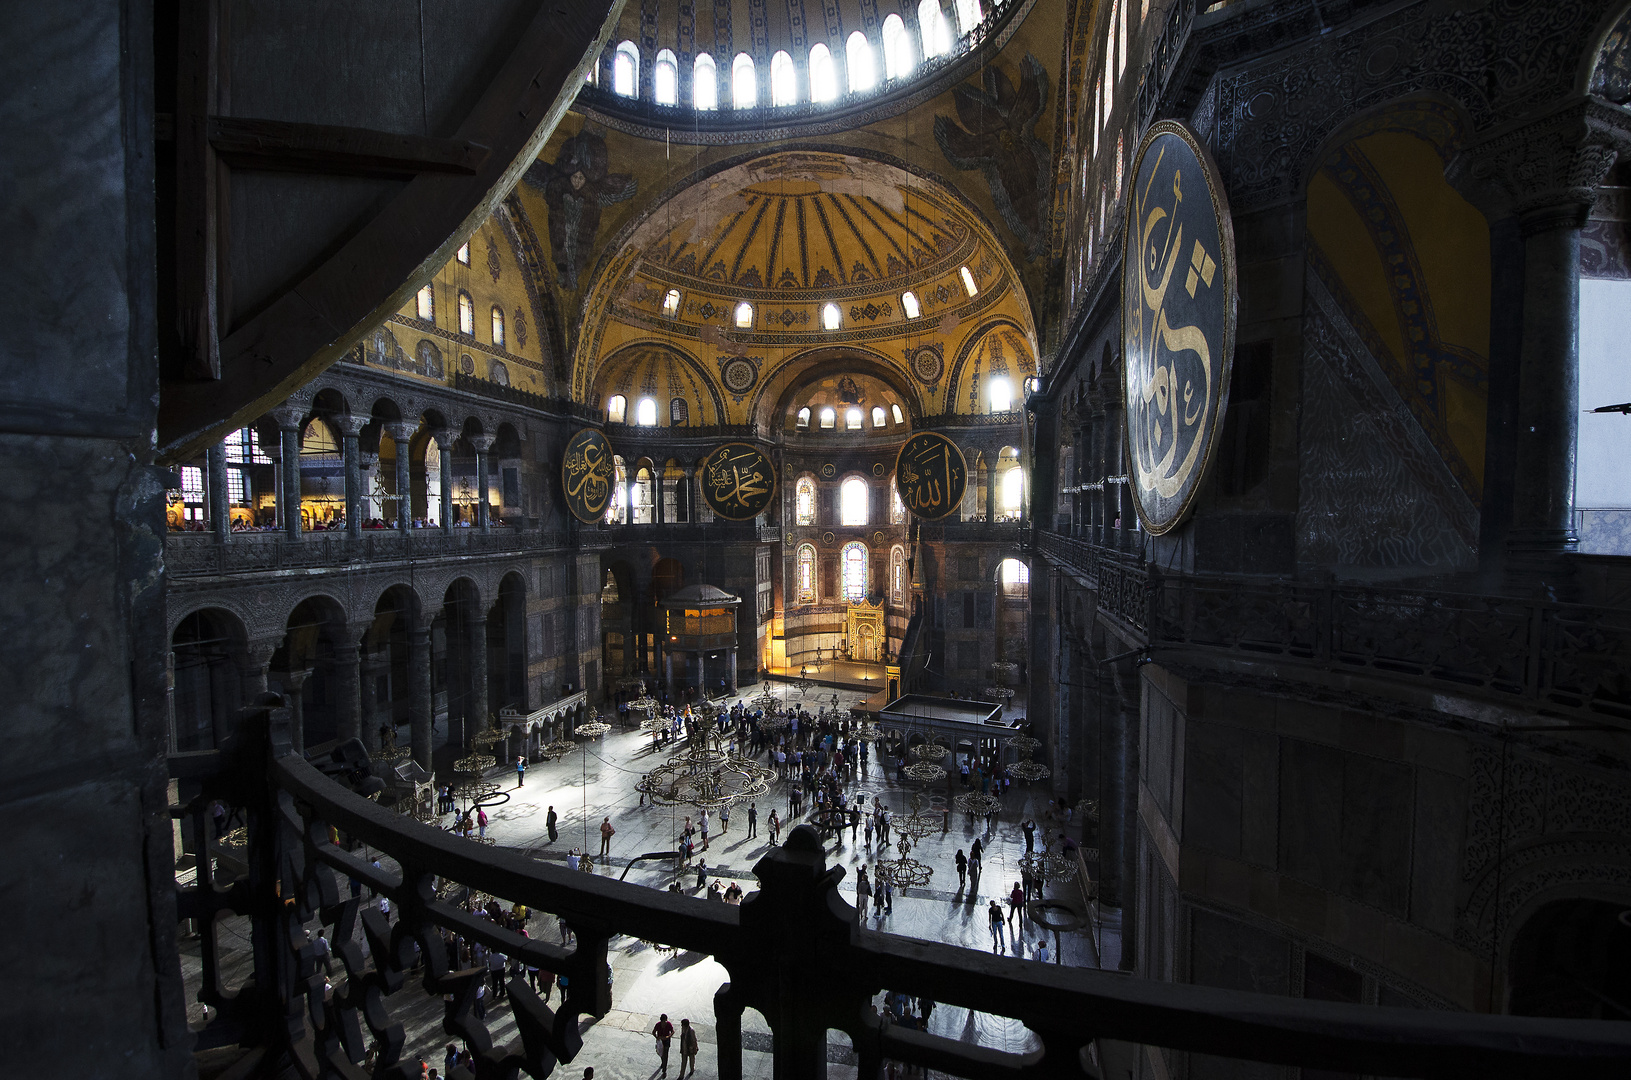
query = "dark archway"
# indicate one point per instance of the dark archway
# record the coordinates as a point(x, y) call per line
point(1572, 958)
point(305, 664)
point(453, 638)
point(207, 690)
point(507, 647)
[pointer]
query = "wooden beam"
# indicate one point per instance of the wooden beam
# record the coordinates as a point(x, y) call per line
point(197, 223)
point(282, 146)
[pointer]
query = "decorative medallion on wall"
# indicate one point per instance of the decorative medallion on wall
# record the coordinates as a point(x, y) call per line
point(928, 362)
point(878, 468)
point(586, 475)
point(931, 475)
point(739, 374)
point(877, 538)
point(467, 365)
point(827, 538)
point(828, 470)
point(1178, 321)
point(738, 481)
point(494, 266)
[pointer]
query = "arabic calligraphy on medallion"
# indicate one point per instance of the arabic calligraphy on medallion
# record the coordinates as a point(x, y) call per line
point(931, 475)
point(586, 475)
point(1178, 321)
point(738, 481)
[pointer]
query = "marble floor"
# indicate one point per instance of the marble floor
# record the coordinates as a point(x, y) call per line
point(596, 783)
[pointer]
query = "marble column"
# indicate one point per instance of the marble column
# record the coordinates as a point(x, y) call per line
point(370, 716)
point(482, 444)
point(289, 418)
point(691, 496)
point(401, 433)
point(220, 498)
point(444, 449)
point(476, 708)
point(293, 685)
point(421, 709)
point(350, 427)
point(659, 478)
point(991, 463)
point(253, 666)
point(347, 683)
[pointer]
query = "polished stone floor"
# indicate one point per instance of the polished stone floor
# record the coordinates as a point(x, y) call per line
point(597, 782)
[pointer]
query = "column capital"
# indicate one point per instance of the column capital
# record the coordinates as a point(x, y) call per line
point(289, 416)
point(445, 437)
point(1544, 168)
point(350, 426)
point(482, 443)
point(401, 430)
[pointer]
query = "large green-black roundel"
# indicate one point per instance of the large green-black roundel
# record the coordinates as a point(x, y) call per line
point(738, 481)
point(1178, 321)
point(586, 475)
point(931, 475)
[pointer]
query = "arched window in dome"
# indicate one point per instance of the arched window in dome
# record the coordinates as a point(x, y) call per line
point(1001, 394)
point(823, 76)
point(831, 317)
point(897, 48)
point(671, 303)
point(426, 301)
point(744, 316)
point(744, 83)
point(617, 409)
point(806, 574)
point(908, 304)
point(784, 80)
point(665, 79)
point(968, 281)
point(897, 575)
point(704, 83)
point(626, 70)
point(878, 417)
point(852, 561)
point(645, 412)
point(498, 326)
point(853, 496)
point(464, 253)
point(467, 314)
point(828, 418)
point(804, 502)
point(804, 418)
point(899, 419)
point(679, 412)
point(931, 23)
point(968, 15)
point(863, 74)
point(852, 418)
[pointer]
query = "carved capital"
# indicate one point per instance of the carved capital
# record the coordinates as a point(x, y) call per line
point(288, 417)
point(482, 443)
point(401, 430)
point(445, 438)
point(350, 426)
point(1544, 166)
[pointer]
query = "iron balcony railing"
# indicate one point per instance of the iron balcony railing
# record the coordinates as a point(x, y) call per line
point(199, 554)
point(793, 952)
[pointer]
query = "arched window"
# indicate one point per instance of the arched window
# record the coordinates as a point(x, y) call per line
point(626, 70)
point(426, 301)
point(899, 419)
point(823, 77)
point(908, 304)
point(665, 79)
point(1001, 393)
point(641, 503)
point(744, 316)
point(671, 303)
point(968, 16)
point(879, 419)
point(852, 560)
point(679, 412)
point(617, 409)
point(498, 326)
point(1013, 575)
point(744, 83)
point(852, 502)
point(784, 80)
point(897, 575)
point(804, 502)
point(968, 281)
point(804, 418)
point(897, 48)
point(806, 574)
point(618, 503)
point(852, 418)
point(831, 317)
point(1013, 490)
point(645, 413)
point(897, 509)
point(704, 83)
point(931, 23)
point(828, 418)
point(863, 75)
point(464, 253)
point(467, 314)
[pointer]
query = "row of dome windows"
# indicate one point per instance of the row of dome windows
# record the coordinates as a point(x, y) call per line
point(832, 318)
point(999, 393)
point(425, 307)
point(899, 59)
point(854, 418)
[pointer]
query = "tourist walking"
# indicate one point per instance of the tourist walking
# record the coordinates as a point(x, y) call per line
point(688, 1047)
point(962, 869)
point(549, 823)
point(664, 1034)
point(753, 820)
point(775, 828)
point(520, 772)
point(994, 914)
point(974, 853)
point(607, 832)
point(702, 824)
point(1016, 905)
point(863, 894)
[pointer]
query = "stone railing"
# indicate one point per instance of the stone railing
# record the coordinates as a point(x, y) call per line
point(198, 554)
point(305, 827)
point(1527, 653)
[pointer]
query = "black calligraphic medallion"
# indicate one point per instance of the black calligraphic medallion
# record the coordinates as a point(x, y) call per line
point(586, 475)
point(738, 481)
point(1178, 321)
point(931, 475)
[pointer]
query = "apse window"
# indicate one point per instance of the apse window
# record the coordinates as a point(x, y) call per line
point(899, 418)
point(831, 317)
point(705, 84)
point(498, 326)
point(858, 54)
point(617, 409)
point(931, 22)
point(784, 80)
point(852, 502)
point(467, 314)
point(744, 82)
point(464, 253)
point(804, 418)
point(854, 558)
point(908, 304)
point(804, 501)
point(852, 419)
point(829, 419)
point(679, 412)
point(897, 48)
point(968, 15)
point(744, 316)
point(426, 302)
point(806, 574)
point(671, 303)
point(968, 281)
point(1001, 393)
point(823, 75)
point(645, 413)
point(665, 79)
point(626, 70)
point(878, 417)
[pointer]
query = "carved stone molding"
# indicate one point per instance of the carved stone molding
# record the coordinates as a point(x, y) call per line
point(1546, 168)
